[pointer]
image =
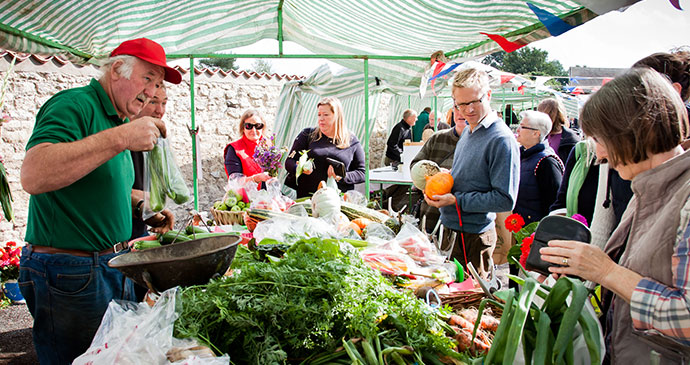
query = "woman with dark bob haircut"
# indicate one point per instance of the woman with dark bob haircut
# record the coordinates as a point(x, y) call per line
point(638, 121)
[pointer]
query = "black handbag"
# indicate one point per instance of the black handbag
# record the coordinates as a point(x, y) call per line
point(554, 227)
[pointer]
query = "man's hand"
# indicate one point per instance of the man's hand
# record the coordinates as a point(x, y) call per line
point(141, 134)
point(260, 177)
point(440, 200)
point(161, 222)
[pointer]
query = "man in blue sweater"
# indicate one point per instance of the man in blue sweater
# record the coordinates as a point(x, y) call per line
point(486, 173)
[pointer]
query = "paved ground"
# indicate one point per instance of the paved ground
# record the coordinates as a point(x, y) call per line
point(16, 345)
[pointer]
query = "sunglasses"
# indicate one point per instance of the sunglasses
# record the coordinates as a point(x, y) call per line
point(258, 126)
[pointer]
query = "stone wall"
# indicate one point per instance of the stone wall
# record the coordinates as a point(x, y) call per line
point(219, 102)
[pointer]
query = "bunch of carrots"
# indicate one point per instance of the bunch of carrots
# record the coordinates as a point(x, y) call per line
point(463, 324)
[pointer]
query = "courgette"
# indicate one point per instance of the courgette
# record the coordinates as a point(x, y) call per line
point(354, 211)
point(265, 214)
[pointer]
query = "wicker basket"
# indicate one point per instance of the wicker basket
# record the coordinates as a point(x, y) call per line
point(227, 217)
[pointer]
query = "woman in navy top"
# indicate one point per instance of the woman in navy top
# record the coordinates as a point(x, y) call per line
point(329, 139)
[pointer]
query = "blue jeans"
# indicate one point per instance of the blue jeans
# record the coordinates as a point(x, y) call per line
point(67, 296)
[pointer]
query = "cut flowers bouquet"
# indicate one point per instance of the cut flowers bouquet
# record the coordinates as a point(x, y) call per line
point(9, 261)
point(268, 156)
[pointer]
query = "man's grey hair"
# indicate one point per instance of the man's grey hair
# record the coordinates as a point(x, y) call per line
point(408, 112)
point(125, 70)
point(540, 121)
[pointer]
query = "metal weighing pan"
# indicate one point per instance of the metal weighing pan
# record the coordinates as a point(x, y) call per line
point(188, 263)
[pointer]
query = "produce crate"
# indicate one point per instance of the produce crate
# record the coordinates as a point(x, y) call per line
point(227, 217)
point(468, 299)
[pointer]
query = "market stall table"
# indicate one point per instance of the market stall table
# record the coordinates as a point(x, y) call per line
point(386, 175)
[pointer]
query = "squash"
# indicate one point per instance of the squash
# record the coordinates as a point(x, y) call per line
point(421, 170)
point(438, 184)
point(325, 201)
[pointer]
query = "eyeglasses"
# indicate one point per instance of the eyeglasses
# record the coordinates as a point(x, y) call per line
point(530, 128)
point(258, 126)
point(472, 103)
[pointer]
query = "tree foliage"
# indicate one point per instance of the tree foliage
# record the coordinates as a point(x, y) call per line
point(225, 64)
point(264, 66)
point(526, 61)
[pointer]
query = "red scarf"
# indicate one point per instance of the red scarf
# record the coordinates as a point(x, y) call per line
point(244, 149)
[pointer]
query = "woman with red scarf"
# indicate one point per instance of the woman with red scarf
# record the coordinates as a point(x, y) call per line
point(239, 155)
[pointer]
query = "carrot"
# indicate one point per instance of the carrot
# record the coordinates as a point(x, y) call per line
point(462, 322)
point(464, 339)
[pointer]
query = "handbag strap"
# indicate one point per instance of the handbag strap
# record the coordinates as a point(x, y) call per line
point(462, 236)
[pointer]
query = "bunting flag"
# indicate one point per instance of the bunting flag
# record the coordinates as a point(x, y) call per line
point(507, 45)
point(521, 89)
point(575, 80)
point(577, 91)
point(676, 4)
point(605, 80)
point(437, 70)
point(506, 78)
point(446, 70)
point(555, 25)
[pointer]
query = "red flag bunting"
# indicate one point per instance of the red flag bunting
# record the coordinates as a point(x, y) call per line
point(437, 69)
point(577, 91)
point(506, 78)
point(676, 4)
point(507, 45)
point(605, 80)
point(521, 89)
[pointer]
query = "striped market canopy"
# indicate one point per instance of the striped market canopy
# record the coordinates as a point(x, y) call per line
point(381, 30)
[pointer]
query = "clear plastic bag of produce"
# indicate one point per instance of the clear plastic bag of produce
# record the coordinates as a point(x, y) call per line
point(270, 198)
point(415, 244)
point(355, 197)
point(388, 262)
point(135, 333)
point(291, 230)
point(162, 179)
point(378, 234)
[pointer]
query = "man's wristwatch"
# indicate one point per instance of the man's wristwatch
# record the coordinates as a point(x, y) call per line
point(138, 213)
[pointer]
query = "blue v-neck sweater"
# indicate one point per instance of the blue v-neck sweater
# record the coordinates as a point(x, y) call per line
point(486, 173)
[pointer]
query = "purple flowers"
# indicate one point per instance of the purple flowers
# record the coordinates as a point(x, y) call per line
point(268, 156)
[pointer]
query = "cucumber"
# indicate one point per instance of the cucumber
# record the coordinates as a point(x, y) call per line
point(169, 236)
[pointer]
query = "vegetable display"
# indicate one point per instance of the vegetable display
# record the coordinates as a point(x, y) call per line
point(317, 304)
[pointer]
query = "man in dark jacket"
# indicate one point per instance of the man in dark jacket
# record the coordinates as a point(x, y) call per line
point(399, 134)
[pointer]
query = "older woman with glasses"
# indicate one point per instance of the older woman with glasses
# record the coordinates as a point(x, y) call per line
point(638, 122)
point(239, 155)
point(541, 170)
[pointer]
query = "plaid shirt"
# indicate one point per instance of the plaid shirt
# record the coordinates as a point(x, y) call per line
point(658, 309)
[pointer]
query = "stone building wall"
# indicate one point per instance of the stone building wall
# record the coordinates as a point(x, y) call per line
point(219, 101)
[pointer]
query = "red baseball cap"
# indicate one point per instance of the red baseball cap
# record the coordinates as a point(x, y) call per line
point(148, 51)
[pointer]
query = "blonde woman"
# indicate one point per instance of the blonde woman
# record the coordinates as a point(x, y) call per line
point(329, 143)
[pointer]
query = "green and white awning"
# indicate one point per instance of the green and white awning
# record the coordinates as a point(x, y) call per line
point(381, 30)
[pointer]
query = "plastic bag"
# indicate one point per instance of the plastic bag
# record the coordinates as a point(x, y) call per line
point(417, 245)
point(162, 179)
point(388, 262)
point(270, 198)
point(378, 234)
point(355, 197)
point(291, 230)
point(135, 333)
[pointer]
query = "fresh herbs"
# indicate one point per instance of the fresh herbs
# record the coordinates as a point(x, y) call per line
point(305, 304)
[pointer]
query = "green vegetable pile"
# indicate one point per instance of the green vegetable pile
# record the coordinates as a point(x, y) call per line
point(233, 203)
point(318, 303)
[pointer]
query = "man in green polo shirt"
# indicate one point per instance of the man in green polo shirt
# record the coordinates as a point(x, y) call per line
point(79, 173)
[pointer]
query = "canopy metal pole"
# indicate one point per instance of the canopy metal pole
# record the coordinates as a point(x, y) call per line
point(280, 27)
point(193, 132)
point(366, 127)
point(435, 113)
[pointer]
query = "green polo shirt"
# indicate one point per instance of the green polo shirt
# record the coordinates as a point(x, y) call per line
point(94, 212)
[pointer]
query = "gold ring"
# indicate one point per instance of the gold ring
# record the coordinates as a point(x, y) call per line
point(565, 261)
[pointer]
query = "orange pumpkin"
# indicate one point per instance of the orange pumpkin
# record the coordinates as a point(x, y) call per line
point(438, 184)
